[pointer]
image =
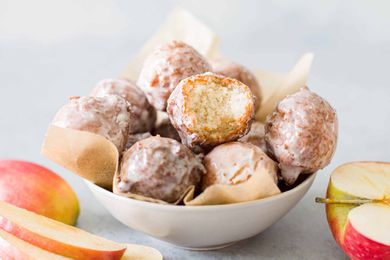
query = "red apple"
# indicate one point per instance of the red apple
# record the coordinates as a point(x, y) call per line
point(358, 209)
point(56, 237)
point(12, 247)
point(38, 189)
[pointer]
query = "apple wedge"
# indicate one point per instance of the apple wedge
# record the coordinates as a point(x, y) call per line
point(140, 252)
point(358, 209)
point(55, 236)
point(12, 247)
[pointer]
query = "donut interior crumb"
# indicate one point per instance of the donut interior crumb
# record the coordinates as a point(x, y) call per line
point(217, 109)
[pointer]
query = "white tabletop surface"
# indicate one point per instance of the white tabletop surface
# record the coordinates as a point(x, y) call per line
point(50, 50)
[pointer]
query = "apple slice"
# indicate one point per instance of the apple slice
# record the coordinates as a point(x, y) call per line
point(358, 209)
point(55, 236)
point(12, 247)
point(141, 252)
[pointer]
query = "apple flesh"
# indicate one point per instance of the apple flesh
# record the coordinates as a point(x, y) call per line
point(140, 252)
point(358, 209)
point(12, 247)
point(55, 236)
point(35, 188)
point(368, 224)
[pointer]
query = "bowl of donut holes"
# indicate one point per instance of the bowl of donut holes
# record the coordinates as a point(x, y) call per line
point(194, 149)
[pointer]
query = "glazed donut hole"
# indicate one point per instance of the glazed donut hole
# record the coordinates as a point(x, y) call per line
point(143, 113)
point(107, 116)
point(217, 110)
point(209, 109)
point(234, 163)
point(165, 67)
point(239, 72)
point(301, 134)
point(159, 168)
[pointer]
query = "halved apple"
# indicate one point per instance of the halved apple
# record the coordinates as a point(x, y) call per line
point(12, 247)
point(55, 236)
point(358, 209)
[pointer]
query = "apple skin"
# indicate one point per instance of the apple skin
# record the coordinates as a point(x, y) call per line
point(337, 214)
point(35, 188)
point(8, 251)
point(360, 247)
point(56, 237)
point(354, 244)
point(12, 247)
point(55, 246)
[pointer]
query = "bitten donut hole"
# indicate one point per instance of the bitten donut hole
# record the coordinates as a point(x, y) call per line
point(217, 109)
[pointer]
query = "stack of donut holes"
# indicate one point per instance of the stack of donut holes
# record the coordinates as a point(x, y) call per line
point(208, 109)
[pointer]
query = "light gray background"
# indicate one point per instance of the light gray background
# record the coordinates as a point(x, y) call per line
point(50, 50)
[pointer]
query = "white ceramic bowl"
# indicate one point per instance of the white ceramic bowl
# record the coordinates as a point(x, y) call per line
point(201, 227)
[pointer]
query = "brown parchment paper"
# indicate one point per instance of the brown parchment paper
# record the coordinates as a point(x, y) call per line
point(97, 159)
point(89, 155)
point(278, 87)
point(260, 185)
point(180, 25)
point(269, 82)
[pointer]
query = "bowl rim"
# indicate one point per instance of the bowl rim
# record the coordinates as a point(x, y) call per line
point(171, 207)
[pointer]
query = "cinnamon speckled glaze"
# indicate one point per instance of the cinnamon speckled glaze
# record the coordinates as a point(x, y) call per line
point(165, 67)
point(184, 119)
point(106, 116)
point(234, 163)
point(160, 168)
point(238, 72)
point(301, 134)
point(143, 113)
